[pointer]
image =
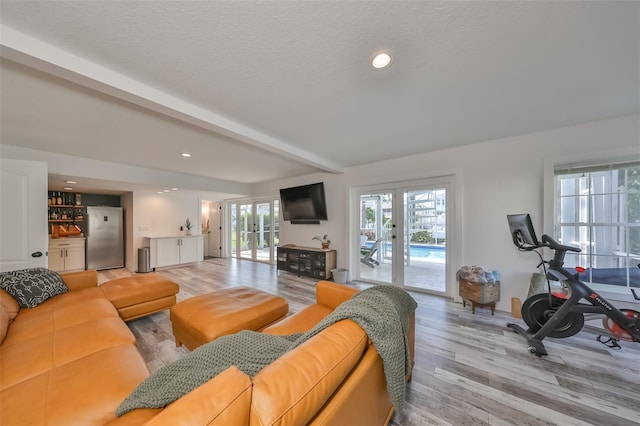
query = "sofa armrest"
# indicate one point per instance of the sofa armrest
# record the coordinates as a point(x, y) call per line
point(80, 280)
point(330, 294)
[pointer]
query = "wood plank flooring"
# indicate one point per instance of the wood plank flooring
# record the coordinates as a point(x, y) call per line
point(470, 369)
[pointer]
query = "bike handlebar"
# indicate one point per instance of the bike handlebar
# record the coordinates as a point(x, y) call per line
point(547, 241)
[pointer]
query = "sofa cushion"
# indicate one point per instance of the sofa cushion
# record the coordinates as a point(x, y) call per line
point(51, 316)
point(80, 279)
point(366, 386)
point(223, 400)
point(76, 296)
point(42, 353)
point(294, 387)
point(300, 322)
point(333, 294)
point(31, 287)
point(83, 392)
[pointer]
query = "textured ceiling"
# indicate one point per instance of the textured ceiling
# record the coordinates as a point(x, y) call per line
point(265, 90)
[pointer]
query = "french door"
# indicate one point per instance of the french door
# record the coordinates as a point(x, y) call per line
point(402, 235)
point(254, 230)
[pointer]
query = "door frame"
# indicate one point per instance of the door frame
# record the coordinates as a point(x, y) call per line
point(454, 231)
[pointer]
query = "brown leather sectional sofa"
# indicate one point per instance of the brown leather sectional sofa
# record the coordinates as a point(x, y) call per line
point(73, 360)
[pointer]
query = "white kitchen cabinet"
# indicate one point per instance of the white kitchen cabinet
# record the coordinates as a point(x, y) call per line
point(66, 254)
point(191, 249)
point(168, 251)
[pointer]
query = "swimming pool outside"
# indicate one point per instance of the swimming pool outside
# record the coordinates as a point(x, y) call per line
point(428, 252)
point(421, 251)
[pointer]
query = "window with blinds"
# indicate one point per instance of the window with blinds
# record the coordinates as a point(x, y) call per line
point(597, 208)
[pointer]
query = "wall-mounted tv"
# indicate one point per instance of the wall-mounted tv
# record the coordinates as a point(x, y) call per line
point(304, 204)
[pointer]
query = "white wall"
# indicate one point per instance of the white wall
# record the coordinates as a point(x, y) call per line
point(336, 227)
point(496, 178)
point(157, 215)
point(130, 255)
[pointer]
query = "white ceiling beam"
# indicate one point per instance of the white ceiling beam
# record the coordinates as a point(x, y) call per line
point(34, 53)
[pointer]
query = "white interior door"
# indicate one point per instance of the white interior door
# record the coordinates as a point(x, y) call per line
point(215, 230)
point(23, 207)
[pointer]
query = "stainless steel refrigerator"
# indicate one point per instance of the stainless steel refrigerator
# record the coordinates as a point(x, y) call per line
point(105, 237)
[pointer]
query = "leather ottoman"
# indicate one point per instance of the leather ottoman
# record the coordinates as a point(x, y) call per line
point(140, 295)
point(203, 318)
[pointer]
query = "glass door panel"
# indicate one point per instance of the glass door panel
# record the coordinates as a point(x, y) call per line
point(424, 239)
point(376, 237)
point(245, 244)
point(275, 223)
point(262, 234)
point(233, 227)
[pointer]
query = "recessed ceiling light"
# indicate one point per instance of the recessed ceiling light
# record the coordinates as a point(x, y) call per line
point(165, 190)
point(160, 192)
point(67, 188)
point(174, 189)
point(186, 154)
point(381, 60)
point(71, 182)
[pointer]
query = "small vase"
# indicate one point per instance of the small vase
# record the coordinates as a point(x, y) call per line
point(325, 245)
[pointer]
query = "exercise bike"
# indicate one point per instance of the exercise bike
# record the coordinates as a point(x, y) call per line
point(561, 314)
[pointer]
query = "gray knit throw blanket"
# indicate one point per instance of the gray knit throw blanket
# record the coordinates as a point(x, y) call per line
point(383, 312)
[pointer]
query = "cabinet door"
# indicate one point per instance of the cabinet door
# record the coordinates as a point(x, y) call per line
point(56, 259)
point(282, 259)
point(74, 260)
point(189, 249)
point(167, 252)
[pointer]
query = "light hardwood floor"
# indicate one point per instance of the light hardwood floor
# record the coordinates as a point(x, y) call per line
point(470, 369)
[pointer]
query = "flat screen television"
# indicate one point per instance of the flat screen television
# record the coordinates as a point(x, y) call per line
point(522, 232)
point(304, 204)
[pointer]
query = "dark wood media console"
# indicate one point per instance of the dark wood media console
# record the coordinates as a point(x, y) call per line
point(307, 261)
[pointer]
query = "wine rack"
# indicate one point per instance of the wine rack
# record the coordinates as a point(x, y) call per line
point(65, 209)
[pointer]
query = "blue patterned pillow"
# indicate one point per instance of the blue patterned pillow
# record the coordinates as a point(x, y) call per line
point(31, 287)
